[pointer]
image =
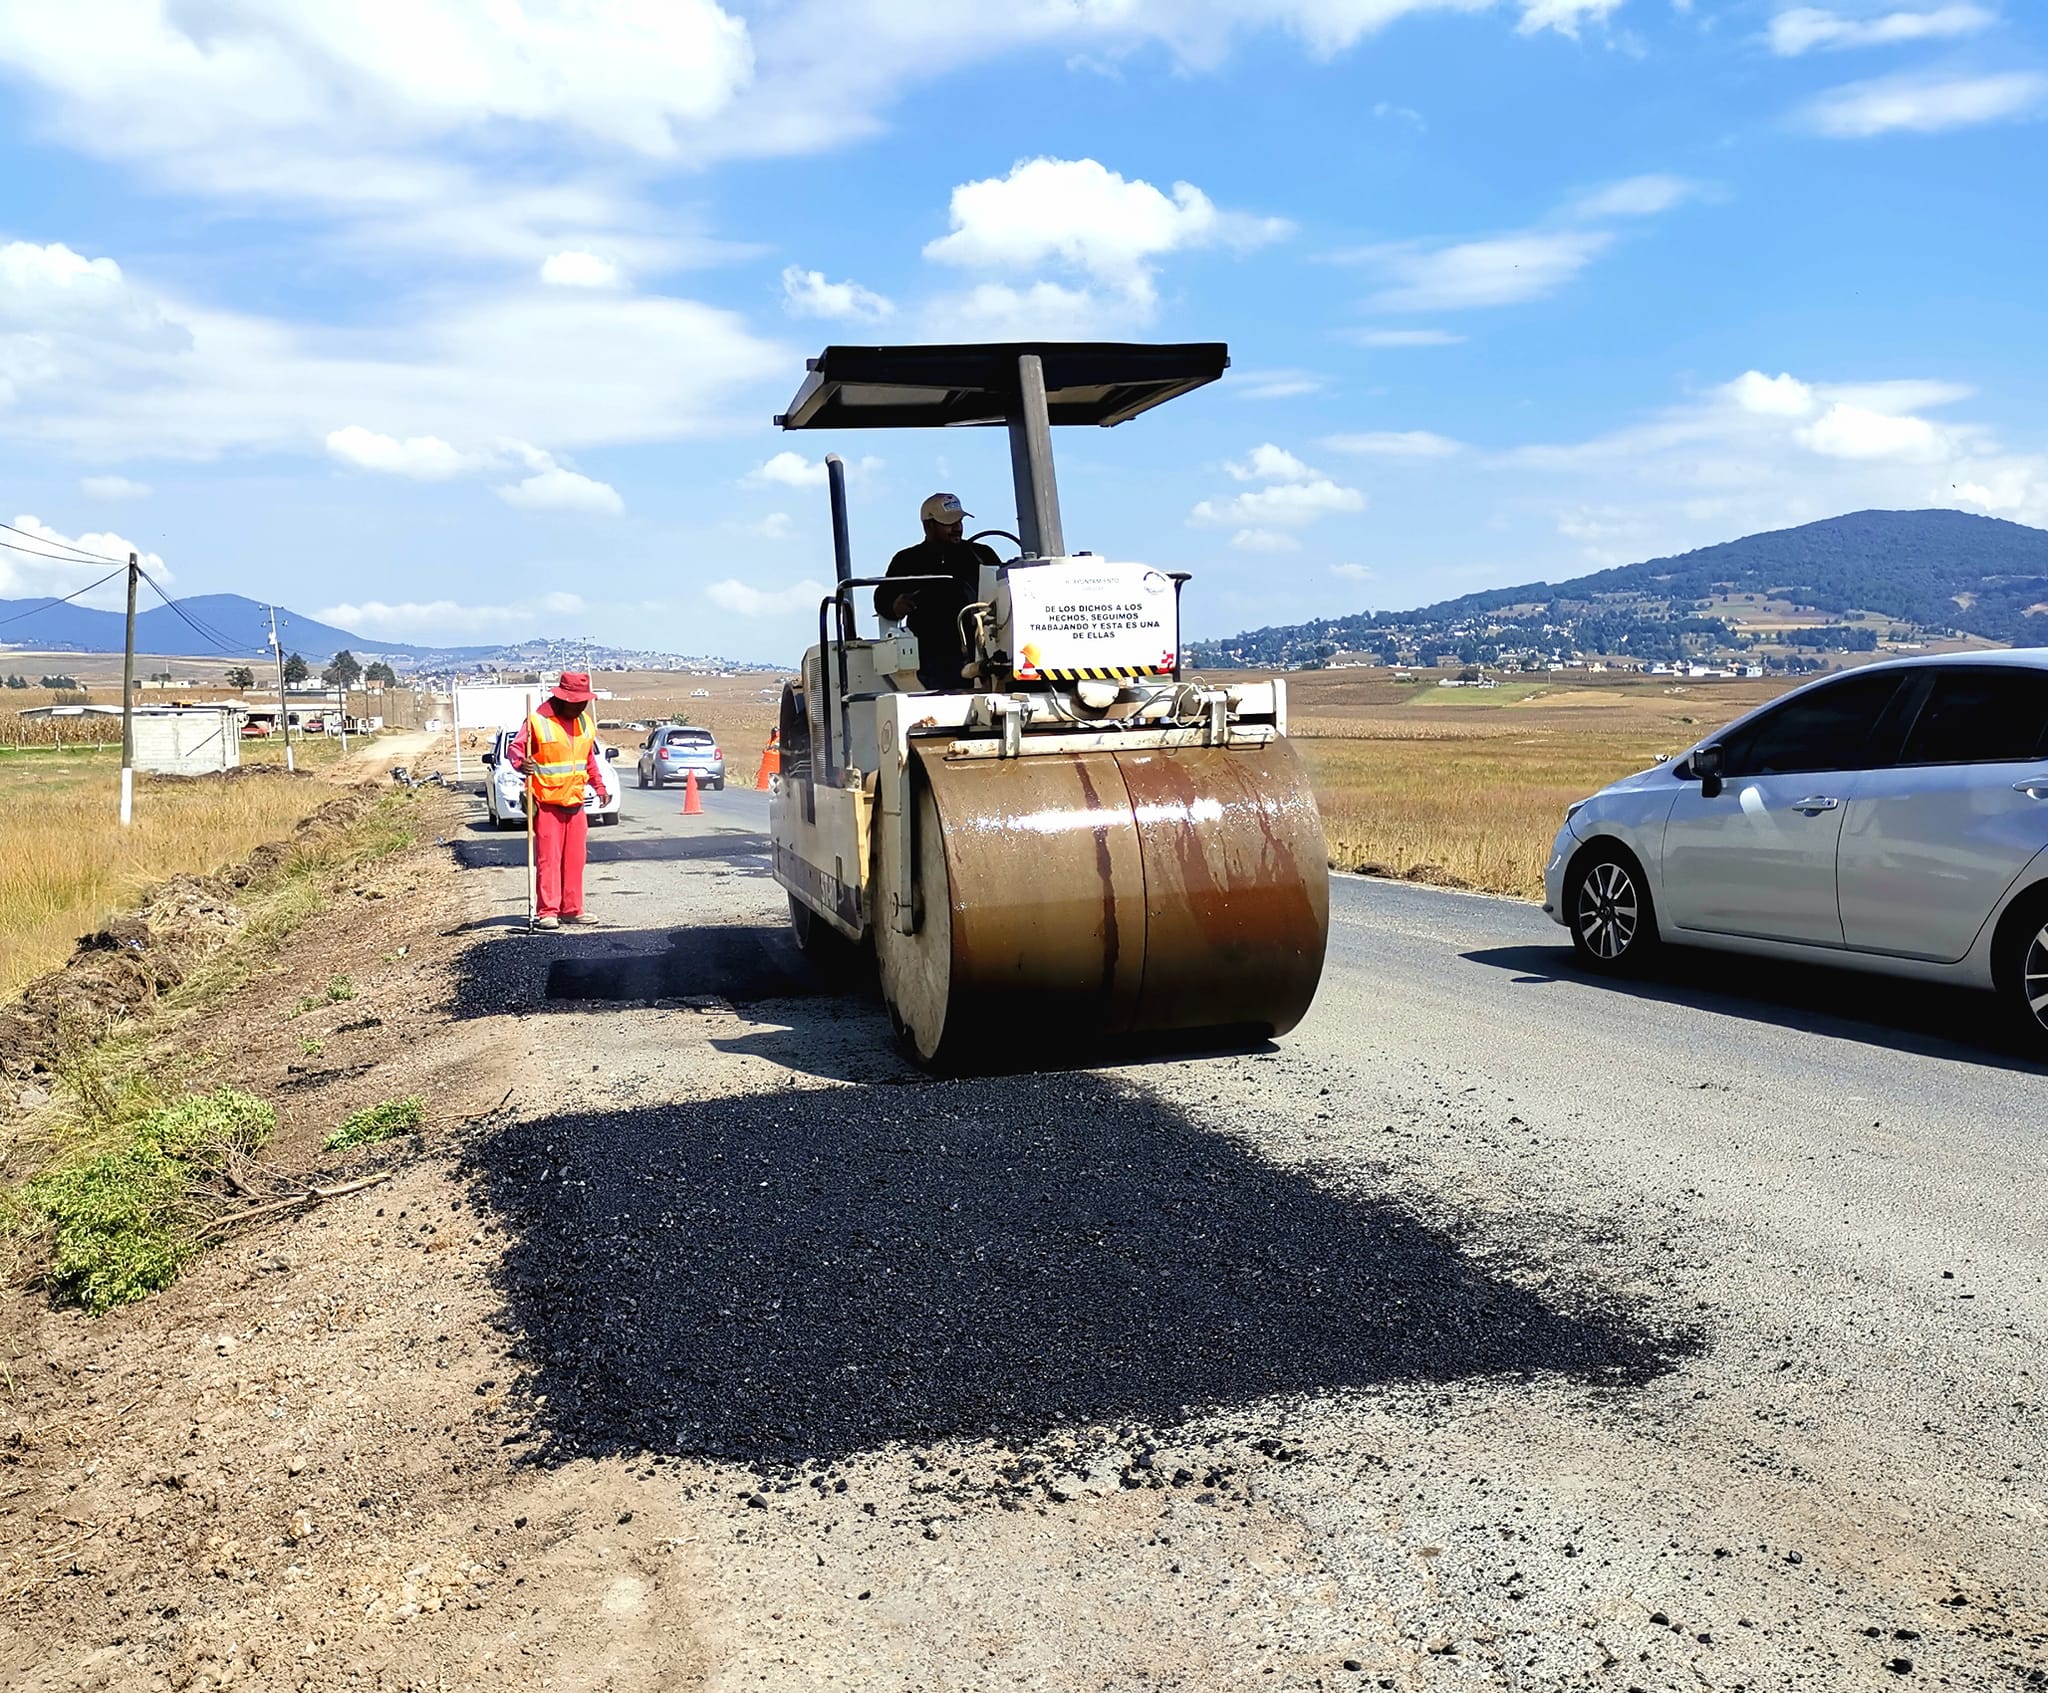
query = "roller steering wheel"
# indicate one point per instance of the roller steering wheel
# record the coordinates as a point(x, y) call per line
point(1006, 535)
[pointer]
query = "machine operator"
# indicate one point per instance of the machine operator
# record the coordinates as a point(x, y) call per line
point(933, 612)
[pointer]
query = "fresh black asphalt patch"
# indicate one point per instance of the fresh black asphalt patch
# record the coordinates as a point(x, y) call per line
point(811, 1273)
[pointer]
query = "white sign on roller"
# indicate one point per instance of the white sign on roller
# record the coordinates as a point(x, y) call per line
point(1072, 616)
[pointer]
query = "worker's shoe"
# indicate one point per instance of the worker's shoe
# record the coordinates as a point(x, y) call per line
point(547, 923)
point(577, 917)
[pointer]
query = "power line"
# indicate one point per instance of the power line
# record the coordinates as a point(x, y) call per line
point(88, 557)
point(48, 604)
point(212, 636)
point(205, 630)
point(54, 558)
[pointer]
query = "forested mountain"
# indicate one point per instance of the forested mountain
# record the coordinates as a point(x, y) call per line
point(1923, 570)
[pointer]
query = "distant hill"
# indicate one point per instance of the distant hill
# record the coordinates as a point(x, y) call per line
point(1931, 570)
point(228, 626)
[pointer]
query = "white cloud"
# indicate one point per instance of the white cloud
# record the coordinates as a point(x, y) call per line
point(452, 621)
point(1782, 395)
point(423, 458)
point(1924, 105)
point(1856, 432)
point(113, 488)
point(52, 291)
point(577, 366)
point(1264, 541)
point(1805, 28)
point(1403, 337)
point(1638, 196)
point(1292, 503)
point(1501, 271)
point(519, 130)
point(573, 269)
point(1394, 443)
point(620, 72)
point(1386, 109)
point(1268, 463)
point(746, 600)
point(1276, 384)
point(1762, 452)
point(545, 486)
point(557, 489)
point(42, 560)
point(1294, 496)
point(1044, 311)
point(1079, 214)
point(1354, 572)
point(1564, 16)
point(776, 526)
point(806, 293)
point(792, 470)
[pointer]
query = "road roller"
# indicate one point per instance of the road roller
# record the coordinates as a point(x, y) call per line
point(1073, 846)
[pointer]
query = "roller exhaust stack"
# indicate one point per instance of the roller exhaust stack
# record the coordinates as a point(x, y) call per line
point(1071, 844)
point(842, 541)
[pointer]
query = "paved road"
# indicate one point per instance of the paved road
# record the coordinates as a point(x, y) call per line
point(1502, 1328)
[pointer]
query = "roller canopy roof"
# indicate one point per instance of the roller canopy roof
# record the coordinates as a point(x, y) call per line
point(1103, 382)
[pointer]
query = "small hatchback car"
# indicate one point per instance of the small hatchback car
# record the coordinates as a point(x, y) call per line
point(1894, 818)
point(672, 754)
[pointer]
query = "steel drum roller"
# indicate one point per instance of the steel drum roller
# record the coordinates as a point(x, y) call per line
point(1106, 893)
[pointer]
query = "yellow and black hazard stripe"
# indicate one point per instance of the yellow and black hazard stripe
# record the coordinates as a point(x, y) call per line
point(1103, 673)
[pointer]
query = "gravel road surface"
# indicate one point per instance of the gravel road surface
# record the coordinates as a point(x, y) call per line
point(1502, 1328)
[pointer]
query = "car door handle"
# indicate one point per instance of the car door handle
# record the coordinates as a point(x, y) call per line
point(1815, 803)
point(2034, 787)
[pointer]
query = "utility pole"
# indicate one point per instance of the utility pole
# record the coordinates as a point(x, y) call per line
point(284, 709)
point(128, 700)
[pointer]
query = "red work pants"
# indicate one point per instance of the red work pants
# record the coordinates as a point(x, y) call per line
point(560, 833)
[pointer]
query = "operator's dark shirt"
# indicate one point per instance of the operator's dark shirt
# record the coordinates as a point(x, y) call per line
point(935, 618)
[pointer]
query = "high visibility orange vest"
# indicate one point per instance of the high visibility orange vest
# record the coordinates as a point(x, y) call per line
point(558, 758)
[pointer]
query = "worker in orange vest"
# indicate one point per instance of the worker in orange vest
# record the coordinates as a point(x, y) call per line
point(558, 754)
point(771, 759)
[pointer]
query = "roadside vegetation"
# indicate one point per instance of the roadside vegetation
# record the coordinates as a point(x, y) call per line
point(66, 863)
point(1466, 787)
point(132, 1163)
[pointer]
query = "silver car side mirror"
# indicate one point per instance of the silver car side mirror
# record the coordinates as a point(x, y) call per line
point(1708, 764)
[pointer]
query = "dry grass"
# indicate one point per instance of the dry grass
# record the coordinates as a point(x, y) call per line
point(66, 863)
point(1467, 787)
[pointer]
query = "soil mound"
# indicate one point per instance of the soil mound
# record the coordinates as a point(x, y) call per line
point(120, 970)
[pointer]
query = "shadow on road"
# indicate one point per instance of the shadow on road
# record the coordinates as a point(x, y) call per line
point(1844, 1004)
point(748, 851)
point(801, 1274)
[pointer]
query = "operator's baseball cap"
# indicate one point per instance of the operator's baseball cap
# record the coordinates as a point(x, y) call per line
point(943, 508)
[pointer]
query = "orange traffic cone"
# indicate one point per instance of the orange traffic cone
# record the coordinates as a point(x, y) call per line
point(771, 759)
point(692, 805)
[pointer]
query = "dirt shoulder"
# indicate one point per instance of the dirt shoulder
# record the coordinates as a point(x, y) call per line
point(151, 1461)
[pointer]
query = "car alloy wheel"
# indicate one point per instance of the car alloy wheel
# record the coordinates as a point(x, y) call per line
point(1610, 911)
point(2034, 979)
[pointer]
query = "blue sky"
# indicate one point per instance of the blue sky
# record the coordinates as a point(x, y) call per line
point(457, 321)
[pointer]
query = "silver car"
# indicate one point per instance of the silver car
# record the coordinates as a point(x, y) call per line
point(673, 754)
point(1894, 818)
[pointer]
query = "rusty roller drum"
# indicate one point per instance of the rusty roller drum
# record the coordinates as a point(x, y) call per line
point(1105, 894)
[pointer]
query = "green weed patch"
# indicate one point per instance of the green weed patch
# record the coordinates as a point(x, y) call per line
point(378, 1122)
point(125, 1220)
